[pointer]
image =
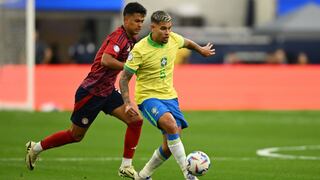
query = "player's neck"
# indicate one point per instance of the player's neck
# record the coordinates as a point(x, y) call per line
point(152, 36)
point(130, 36)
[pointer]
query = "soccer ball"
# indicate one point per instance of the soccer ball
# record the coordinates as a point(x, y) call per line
point(198, 163)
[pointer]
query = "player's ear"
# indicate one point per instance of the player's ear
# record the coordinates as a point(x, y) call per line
point(126, 19)
point(152, 26)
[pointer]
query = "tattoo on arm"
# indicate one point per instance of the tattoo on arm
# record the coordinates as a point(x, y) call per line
point(124, 85)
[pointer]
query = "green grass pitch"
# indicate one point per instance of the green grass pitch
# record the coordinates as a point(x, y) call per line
point(230, 138)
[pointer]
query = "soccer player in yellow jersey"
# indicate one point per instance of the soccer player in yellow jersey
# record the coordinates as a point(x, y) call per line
point(152, 60)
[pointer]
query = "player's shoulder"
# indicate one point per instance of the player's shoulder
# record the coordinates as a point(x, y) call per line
point(176, 39)
point(175, 36)
point(172, 33)
point(142, 44)
point(118, 35)
point(142, 41)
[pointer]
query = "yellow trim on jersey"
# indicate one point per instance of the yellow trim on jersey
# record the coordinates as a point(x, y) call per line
point(153, 64)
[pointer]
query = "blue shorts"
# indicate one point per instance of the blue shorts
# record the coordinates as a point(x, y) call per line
point(87, 106)
point(153, 109)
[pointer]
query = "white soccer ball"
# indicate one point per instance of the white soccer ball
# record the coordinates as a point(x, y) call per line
point(198, 163)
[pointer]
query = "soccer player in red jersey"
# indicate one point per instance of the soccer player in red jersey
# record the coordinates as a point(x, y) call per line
point(97, 93)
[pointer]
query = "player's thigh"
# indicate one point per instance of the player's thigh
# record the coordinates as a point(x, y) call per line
point(119, 113)
point(168, 123)
point(113, 103)
point(173, 106)
point(86, 108)
point(152, 109)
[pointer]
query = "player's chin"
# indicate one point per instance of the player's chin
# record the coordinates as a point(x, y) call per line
point(165, 40)
point(137, 31)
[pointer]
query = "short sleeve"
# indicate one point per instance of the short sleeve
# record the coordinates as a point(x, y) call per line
point(133, 62)
point(112, 48)
point(179, 39)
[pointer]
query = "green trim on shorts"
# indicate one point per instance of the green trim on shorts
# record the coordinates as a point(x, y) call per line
point(153, 120)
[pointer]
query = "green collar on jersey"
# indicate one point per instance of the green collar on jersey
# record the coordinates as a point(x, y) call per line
point(153, 43)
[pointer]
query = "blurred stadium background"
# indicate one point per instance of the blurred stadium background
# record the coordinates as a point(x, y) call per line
point(267, 58)
point(274, 41)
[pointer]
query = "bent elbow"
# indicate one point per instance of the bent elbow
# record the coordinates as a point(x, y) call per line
point(104, 61)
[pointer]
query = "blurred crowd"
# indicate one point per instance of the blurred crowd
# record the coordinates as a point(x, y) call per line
point(279, 56)
point(251, 34)
point(83, 52)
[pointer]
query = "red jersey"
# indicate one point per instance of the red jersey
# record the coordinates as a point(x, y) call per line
point(100, 80)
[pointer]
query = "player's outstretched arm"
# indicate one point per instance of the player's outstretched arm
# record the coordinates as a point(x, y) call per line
point(124, 88)
point(207, 50)
point(110, 62)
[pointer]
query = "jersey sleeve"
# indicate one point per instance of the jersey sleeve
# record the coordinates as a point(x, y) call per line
point(112, 48)
point(179, 39)
point(133, 62)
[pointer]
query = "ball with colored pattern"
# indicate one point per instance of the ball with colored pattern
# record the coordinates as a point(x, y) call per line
point(198, 163)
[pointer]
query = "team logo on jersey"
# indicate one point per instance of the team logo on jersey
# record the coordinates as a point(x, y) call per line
point(130, 56)
point(85, 120)
point(116, 48)
point(154, 111)
point(163, 61)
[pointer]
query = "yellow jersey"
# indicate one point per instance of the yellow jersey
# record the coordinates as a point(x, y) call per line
point(153, 65)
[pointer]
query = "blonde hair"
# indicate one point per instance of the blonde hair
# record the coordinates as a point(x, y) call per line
point(160, 16)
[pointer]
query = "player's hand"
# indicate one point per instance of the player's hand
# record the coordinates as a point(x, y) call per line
point(130, 110)
point(208, 50)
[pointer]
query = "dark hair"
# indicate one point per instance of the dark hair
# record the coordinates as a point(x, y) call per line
point(134, 7)
point(160, 16)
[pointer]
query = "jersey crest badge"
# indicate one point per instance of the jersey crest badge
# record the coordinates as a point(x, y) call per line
point(116, 48)
point(130, 56)
point(163, 61)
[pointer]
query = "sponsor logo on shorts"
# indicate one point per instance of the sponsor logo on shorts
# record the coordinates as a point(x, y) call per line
point(85, 121)
point(154, 111)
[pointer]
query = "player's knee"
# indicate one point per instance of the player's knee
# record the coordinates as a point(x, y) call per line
point(77, 132)
point(136, 123)
point(78, 138)
point(168, 124)
point(170, 127)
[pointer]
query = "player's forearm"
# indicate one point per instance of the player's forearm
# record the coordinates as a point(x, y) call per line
point(192, 45)
point(111, 63)
point(124, 86)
